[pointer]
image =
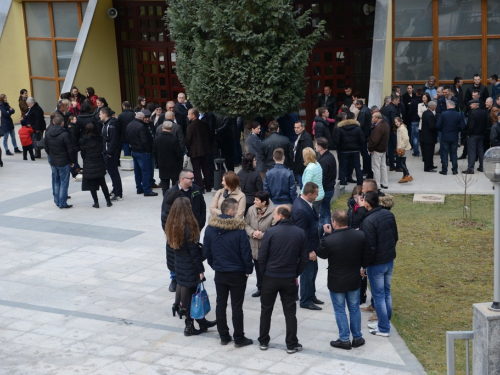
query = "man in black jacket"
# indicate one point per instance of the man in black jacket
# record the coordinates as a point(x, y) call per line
point(428, 136)
point(37, 121)
point(476, 128)
point(189, 190)
point(111, 151)
point(323, 128)
point(60, 149)
point(344, 249)
point(329, 101)
point(381, 232)
point(283, 256)
point(227, 249)
point(271, 143)
point(458, 91)
point(168, 156)
point(137, 135)
point(303, 140)
point(365, 121)
point(329, 167)
point(181, 110)
point(349, 139)
point(391, 111)
point(125, 118)
point(477, 85)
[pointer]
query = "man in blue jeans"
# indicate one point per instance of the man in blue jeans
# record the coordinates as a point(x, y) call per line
point(381, 231)
point(304, 216)
point(344, 249)
point(61, 152)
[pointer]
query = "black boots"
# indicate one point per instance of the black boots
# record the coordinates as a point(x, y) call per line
point(96, 204)
point(190, 330)
point(206, 324)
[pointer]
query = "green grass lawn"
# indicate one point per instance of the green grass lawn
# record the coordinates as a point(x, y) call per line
point(439, 272)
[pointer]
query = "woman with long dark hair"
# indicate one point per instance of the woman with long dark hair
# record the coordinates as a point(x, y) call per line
point(182, 232)
point(91, 95)
point(250, 180)
point(23, 106)
point(141, 104)
point(94, 169)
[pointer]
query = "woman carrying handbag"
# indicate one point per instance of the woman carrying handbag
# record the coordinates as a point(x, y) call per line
point(182, 232)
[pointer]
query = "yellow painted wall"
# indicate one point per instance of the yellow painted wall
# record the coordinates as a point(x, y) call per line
point(387, 84)
point(98, 66)
point(14, 57)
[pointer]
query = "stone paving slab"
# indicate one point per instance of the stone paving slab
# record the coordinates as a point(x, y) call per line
point(97, 302)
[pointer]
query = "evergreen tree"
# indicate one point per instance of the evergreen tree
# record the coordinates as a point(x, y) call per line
point(241, 57)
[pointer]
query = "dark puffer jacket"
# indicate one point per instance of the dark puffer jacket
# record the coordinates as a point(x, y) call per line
point(381, 230)
point(83, 120)
point(270, 144)
point(188, 265)
point(198, 204)
point(6, 119)
point(93, 163)
point(322, 130)
point(349, 136)
point(226, 245)
point(250, 183)
point(355, 218)
point(59, 147)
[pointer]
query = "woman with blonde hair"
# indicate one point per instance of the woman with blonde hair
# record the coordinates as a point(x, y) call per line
point(230, 189)
point(313, 173)
point(182, 232)
point(403, 145)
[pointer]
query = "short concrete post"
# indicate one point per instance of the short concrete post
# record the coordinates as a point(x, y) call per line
point(486, 346)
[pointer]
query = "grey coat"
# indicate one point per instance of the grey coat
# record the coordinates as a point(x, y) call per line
point(254, 222)
point(253, 146)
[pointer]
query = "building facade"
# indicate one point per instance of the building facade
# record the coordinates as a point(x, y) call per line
point(370, 45)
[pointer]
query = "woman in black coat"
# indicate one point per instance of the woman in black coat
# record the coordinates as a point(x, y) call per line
point(250, 180)
point(94, 169)
point(182, 232)
point(84, 118)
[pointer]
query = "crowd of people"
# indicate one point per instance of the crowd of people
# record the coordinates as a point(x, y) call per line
point(274, 215)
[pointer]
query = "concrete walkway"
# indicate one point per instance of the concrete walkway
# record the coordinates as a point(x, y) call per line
point(86, 291)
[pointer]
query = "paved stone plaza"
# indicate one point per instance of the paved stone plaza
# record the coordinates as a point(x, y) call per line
point(85, 291)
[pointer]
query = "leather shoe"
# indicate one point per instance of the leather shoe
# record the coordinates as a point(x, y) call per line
point(430, 170)
point(384, 187)
point(312, 306)
point(257, 293)
point(317, 301)
point(468, 171)
point(462, 157)
point(155, 186)
point(151, 194)
point(356, 343)
point(206, 324)
point(480, 170)
point(67, 206)
point(443, 173)
point(399, 170)
point(434, 167)
point(455, 173)
point(392, 169)
point(341, 344)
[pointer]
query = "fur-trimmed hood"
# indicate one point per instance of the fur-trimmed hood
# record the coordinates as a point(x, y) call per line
point(225, 223)
point(387, 201)
point(347, 122)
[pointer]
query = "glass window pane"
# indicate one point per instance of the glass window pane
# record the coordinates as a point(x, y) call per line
point(458, 18)
point(41, 58)
point(493, 17)
point(65, 20)
point(37, 19)
point(64, 54)
point(413, 18)
point(459, 58)
point(84, 9)
point(412, 60)
point(45, 94)
point(61, 84)
point(493, 56)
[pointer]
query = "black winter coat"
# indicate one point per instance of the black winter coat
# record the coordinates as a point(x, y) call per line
point(250, 183)
point(7, 124)
point(36, 118)
point(111, 141)
point(181, 115)
point(198, 204)
point(188, 265)
point(322, 130)
point(381, 230)
point(365, 120)
point(137, 135)
point(93, 163)
point(344, 249)
point(391, 112)
point(83, 120)
point(283, 251)
point(59, 147)
point(483, 94)
point(305, 140)
point(226, 245)
point(124, 118)
point(329, 167)
point(270, 144)
point(355, 218)
point(478, 122)
point(349, 136)
point(74, 135)
point(168, 155)
point(495, 135)
point(428, 133)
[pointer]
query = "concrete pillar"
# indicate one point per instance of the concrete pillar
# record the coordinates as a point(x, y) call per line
point(486, 346)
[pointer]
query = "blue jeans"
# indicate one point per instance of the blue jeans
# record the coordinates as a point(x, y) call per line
point(414, 139)
point(12, 134)
point(126, 149)
point(339, 301)
point(380, 276)
point(173, 277)
point(142, 172)
point(60, 183)
point(307, 283)
point(449, 148)
point(299, 179)
point(325, 216)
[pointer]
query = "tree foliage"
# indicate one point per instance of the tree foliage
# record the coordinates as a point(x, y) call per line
point(241, 57)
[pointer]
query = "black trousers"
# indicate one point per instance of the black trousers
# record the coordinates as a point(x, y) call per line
point(402, 160)
point(226, 146)
point(95, 184)
point(258, 273)
point(112, 168)
point(165, 184)
point(427, 155)
point(37, 136)
point(287, 288)
point(200, 165)
point(26, 150)
point(235, 284)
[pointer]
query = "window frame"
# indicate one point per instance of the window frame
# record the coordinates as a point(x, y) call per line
point(56, 79)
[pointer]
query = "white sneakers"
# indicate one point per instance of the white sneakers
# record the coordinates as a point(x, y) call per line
point(374, 330)
point(78, 177)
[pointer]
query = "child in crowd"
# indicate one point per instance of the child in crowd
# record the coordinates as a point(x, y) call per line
point(26, 141)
